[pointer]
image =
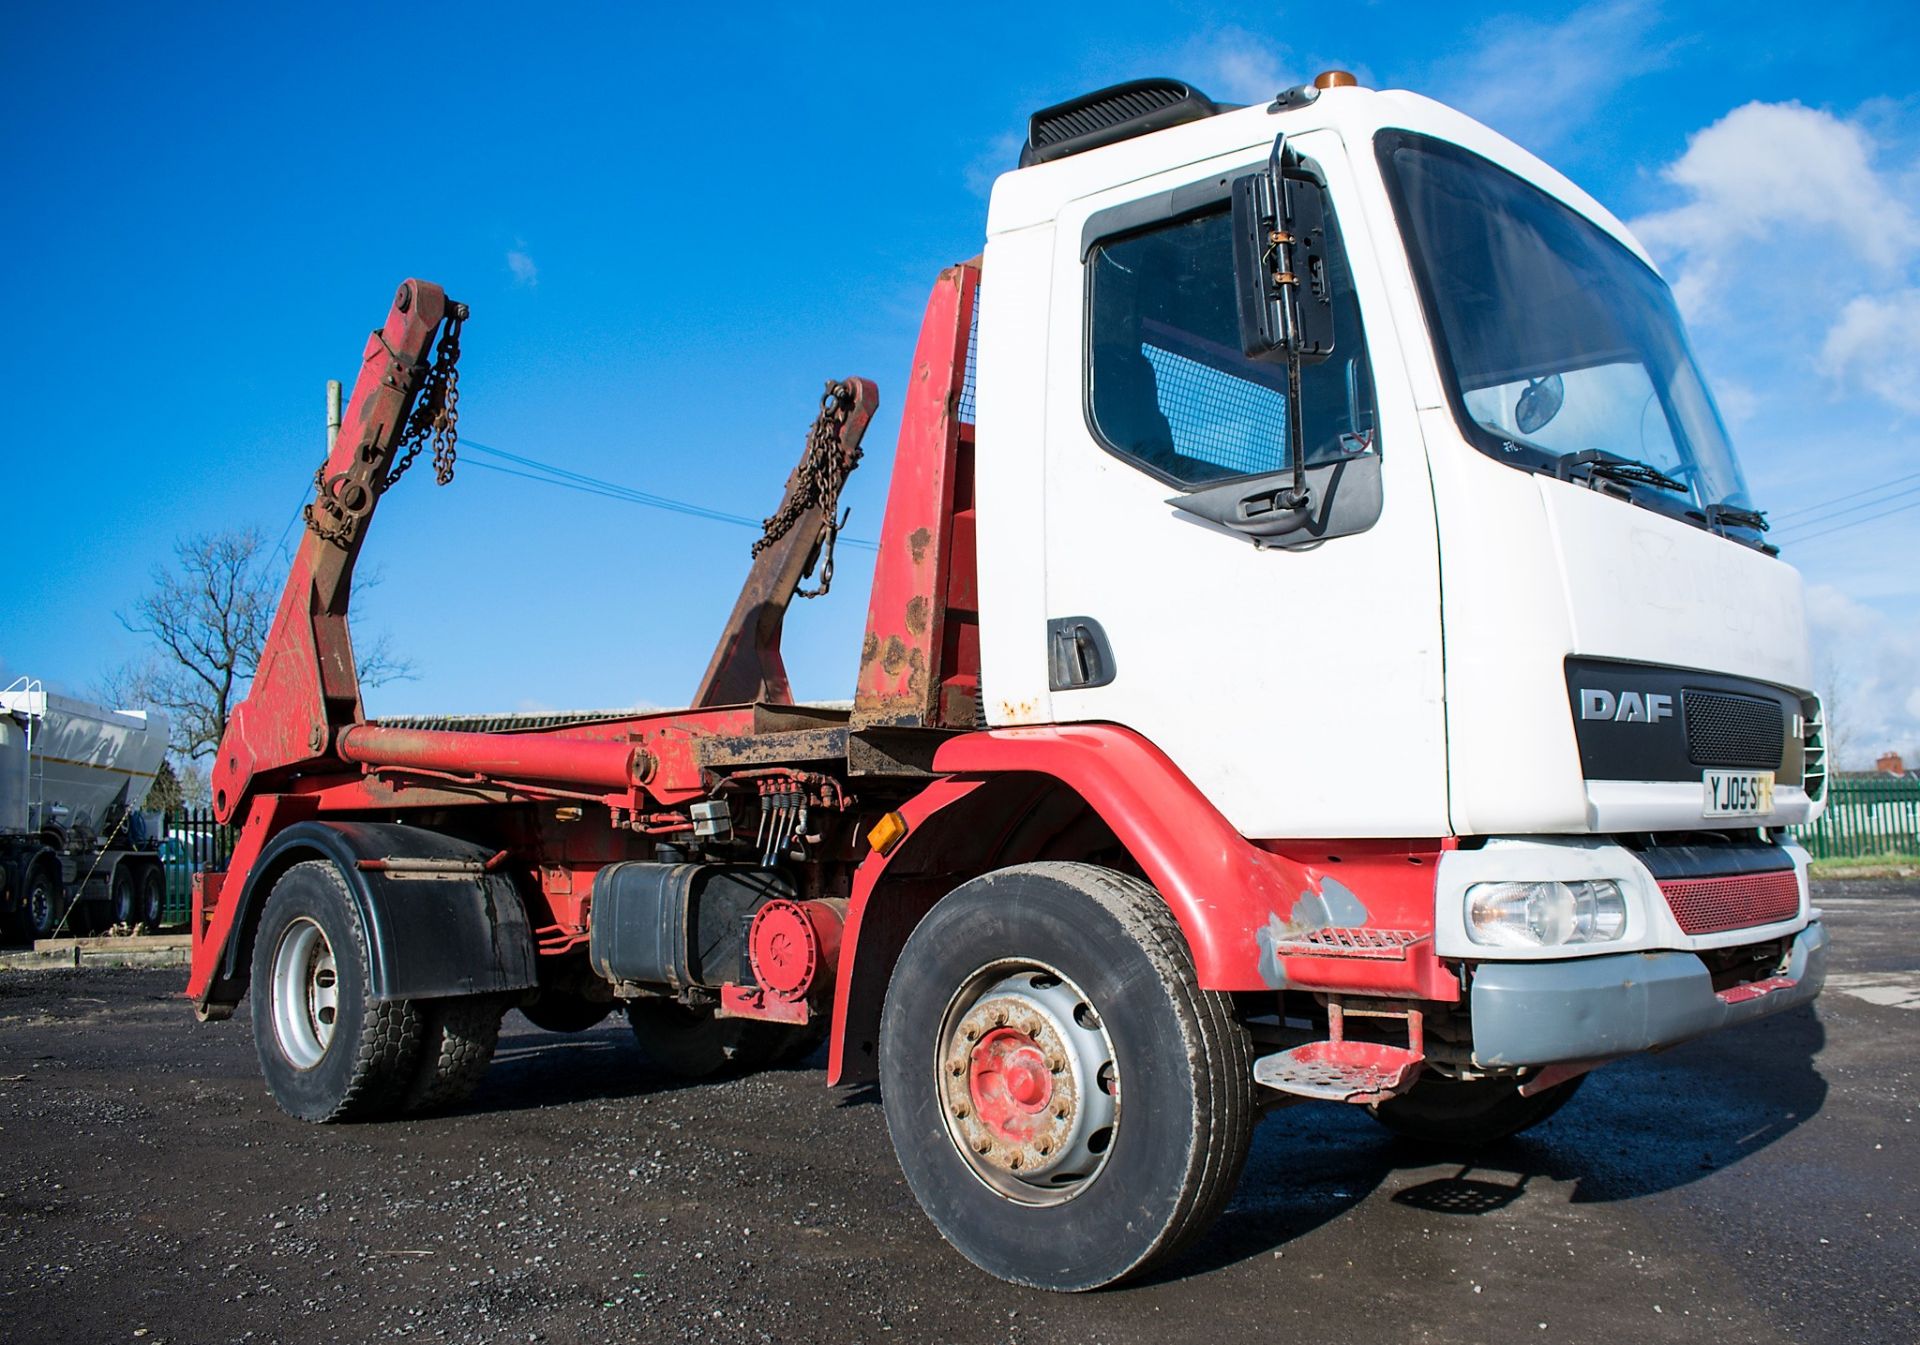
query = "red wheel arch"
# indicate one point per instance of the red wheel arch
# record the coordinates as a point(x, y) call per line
point(1249, 910)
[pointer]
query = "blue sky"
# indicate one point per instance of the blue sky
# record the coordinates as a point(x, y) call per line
point(673, 223)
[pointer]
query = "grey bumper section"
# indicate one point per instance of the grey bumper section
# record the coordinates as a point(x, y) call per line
point(1544, 1013)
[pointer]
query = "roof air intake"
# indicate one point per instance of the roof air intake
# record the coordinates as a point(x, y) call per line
point(1109, 115)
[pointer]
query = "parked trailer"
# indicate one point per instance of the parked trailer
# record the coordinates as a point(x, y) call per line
point(76, 852)
point(1172, 788)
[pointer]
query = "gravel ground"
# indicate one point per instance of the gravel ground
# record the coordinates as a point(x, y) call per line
point(1754, 1187)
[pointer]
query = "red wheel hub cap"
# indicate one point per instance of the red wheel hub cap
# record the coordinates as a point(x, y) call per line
point(1011, 1085)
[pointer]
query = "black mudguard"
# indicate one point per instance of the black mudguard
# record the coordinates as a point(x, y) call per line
point(437, 924)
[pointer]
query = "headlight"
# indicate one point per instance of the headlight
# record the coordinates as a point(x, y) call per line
point(1545, 915)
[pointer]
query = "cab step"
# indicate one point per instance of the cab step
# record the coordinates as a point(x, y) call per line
point(1341, 1070)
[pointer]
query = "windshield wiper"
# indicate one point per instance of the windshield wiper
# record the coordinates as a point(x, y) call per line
point(1733, 516)
point(1597, 462)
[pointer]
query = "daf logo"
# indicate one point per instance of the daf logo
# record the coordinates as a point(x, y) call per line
point(1629, 707)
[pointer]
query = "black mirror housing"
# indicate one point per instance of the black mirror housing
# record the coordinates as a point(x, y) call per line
point(1280, 262)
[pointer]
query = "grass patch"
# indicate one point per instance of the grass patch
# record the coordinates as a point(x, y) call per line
point(1887, 864)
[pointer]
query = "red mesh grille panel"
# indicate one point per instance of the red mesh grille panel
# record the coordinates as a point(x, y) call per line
point(1710, 905)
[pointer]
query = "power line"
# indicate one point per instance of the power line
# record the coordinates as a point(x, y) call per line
point(1854, 509)
point(549, 474)
point(1855, 523)
point(1851, 495)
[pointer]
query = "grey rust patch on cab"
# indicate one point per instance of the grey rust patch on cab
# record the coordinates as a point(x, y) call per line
point(1333, 906)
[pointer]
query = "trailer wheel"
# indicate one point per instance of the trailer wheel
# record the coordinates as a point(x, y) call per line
point(697, 1044)
point(1468, 1113)
point(1068, 1106)
point(327, 1051)
point(126, 896)
point(457, 1037)
point(40, 907)
point(153, 897)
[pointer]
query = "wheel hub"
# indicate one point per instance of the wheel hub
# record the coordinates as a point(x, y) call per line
point(1028, 1083)
point(306, 993)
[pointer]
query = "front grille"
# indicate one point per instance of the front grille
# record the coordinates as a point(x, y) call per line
point(1814, 772)
point(1727, 730)
point(1714, 905)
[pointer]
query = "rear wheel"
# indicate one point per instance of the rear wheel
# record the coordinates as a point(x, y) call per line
point(1068, 1106)
point(457, 1037)
point(153, 897)
point(126, 896)
point(1467, 1113)
point(555, 1010)
point(328, 1052)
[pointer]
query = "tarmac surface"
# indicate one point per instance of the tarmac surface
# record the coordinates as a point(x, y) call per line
point(1758, 1186)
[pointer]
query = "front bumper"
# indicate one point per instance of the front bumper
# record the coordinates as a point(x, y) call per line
point(1594, 1008)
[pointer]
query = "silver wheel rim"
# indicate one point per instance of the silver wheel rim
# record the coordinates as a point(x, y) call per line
point(306, 993)
point(1029, 1082)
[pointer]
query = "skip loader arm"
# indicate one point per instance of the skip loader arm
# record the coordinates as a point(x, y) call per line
point(306, 689)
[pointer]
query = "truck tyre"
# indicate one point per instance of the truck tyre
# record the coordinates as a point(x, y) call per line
point(554, 1010)
point(1068, 1106)
point(40, 905)
point(153, 897)
point(126, 896)
point(328, 1052)
point(697, 1044)
point(457, 1037)
point(1468, 1113)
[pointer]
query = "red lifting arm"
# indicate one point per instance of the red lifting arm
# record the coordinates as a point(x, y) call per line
point(307, 689)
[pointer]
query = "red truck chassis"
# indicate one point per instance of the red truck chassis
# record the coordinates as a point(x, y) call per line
point(873, 813)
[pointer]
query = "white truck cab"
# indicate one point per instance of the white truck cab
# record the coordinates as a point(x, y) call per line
point(1546, 619)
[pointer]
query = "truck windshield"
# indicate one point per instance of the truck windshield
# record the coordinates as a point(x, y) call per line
point(1564, 352)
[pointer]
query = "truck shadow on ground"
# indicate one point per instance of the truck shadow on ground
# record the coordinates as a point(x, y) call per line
point(1637, 1127)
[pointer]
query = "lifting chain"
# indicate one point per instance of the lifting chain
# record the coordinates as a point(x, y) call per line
point(435, 419)
point(436, 412)
point(817, 482)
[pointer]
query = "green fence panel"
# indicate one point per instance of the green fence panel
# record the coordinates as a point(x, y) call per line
point(1866, 816)
point(195, 841)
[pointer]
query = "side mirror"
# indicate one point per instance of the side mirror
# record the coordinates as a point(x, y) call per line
point(1280, 261)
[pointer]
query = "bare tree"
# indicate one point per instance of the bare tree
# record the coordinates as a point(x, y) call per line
point(208, 615)
point(1835, 684)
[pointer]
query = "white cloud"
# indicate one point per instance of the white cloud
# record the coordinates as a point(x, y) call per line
point(1789, 227)
point(1232, 65)
point(1796, 179)
point(523, 268)
point(1832, 613)
point(1868, 669)
point(1002, 155)
point(1535, 82)
point(1875, 346)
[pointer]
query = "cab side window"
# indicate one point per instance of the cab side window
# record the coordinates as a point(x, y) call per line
point(1167, 386)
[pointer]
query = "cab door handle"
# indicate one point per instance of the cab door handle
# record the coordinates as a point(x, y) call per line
point(1078, 654)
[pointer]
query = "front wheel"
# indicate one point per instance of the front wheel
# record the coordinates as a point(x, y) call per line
point(40, 907)
point(328, 1052)
point(1068, 1106)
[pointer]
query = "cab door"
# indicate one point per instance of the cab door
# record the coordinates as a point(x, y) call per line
point(1297, 682)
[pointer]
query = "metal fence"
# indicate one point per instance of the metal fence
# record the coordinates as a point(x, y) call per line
point(1869, 816)
point(193, 841)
